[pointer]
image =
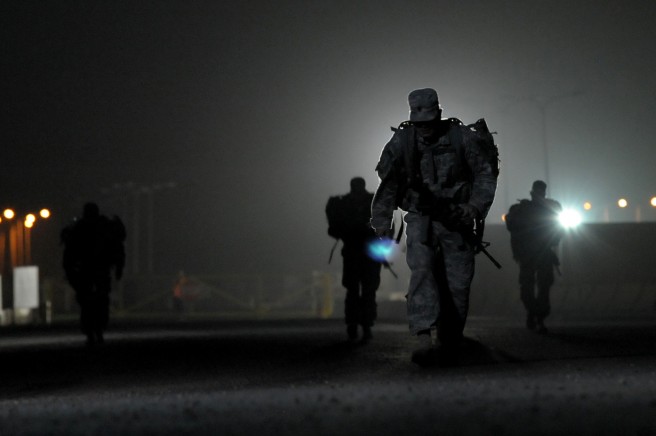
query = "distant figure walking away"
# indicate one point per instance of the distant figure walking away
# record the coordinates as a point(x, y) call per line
point(93, 246)
point(444, 175)
point(534, 234)
point(349, 220)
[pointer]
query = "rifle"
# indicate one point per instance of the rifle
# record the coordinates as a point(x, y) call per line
point(387, 266)
point(480, 246)
point(332, 251)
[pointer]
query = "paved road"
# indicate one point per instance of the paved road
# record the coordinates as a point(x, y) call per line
point(301, 377)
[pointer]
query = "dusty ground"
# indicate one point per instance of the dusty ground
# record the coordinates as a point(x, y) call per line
point(302, 377)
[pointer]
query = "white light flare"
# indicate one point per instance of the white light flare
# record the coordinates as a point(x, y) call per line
point(569, 218)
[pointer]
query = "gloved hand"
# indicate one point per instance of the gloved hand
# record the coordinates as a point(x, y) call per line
point(466, 213)
point(384, 232)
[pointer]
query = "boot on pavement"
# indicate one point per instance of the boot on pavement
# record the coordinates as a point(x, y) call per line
point(424, 354)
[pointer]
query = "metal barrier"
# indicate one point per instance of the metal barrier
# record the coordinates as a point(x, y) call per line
point(205, 296)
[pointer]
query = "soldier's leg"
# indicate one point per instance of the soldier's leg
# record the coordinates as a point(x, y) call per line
point(422, 298)
point(85, 300)
point(103, 288)
point(455, 267)
point(527, 292)
point(545, 279)
point(351, 281)
point(370, 284)
point(83, 287)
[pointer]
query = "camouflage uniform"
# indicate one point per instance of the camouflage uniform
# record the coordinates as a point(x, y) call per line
point(534, 232)
point(453, 178)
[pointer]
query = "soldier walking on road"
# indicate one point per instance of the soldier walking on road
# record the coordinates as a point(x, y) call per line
point(349, 219)
point(444, 177)
point(534, 234)
point(93, 246)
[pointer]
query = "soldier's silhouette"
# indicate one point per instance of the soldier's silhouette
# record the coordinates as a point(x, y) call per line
point(93, 247)
point(534, 233)
point(444, 178)
point(349, 220)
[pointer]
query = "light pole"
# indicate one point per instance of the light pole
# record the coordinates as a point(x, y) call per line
point(149, 191)
point(137, 192)
point(16, 235)
point(5, 242)
point(20, 238)
point(123, 192)
point(543, 103)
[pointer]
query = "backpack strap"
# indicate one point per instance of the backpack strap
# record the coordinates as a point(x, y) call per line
point(406, 133)
point(456, 139)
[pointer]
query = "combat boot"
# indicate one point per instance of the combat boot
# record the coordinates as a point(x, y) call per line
point(91, 340)
point(366, 333)
point(541, 328)
point(424, 354)
point(530, 321)
point(352, 332)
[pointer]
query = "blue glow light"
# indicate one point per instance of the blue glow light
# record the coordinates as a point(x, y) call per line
point(380, 249)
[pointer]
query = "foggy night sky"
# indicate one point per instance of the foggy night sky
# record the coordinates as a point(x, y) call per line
point(259, 110)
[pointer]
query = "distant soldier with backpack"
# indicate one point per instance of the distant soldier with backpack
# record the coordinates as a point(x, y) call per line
point(534, 233)
point(444, 175)
point(349, 219)
point(93, 246)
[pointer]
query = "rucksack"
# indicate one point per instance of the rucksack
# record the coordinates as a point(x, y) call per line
point(95, 242)
point(337, 221)
point(485, 140)
point(479, 130)
point(349, 216)
point(349, 219)
point(411, 158)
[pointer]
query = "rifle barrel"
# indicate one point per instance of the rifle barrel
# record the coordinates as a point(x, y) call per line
point(489, 256)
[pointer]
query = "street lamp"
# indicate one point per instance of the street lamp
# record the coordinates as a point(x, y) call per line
point(19, 233)
point(16, 235)
point(8, 214)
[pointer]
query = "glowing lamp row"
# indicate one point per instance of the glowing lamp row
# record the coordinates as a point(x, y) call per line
point(30, 218)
